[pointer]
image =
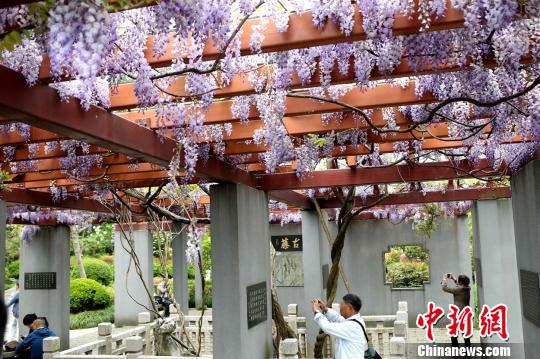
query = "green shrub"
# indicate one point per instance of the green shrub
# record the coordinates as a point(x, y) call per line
point(159, 273)
point(91, 319)
point(95, 269)
point(12, 270)
point(88, 294)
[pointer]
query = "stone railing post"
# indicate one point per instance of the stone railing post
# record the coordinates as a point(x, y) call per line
point(105, 333)
point(134, 346)
point(400, 329)
point(145, 319)
point(402, 315)
point(292, 317)
point(398, 348)
point(288, 349)
point(51, 347)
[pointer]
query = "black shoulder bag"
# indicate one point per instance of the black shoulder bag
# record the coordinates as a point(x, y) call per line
point(370, 353)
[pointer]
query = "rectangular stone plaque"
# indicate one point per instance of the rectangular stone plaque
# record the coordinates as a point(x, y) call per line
point(40, 280)
point(256, 304)
point(530, 294)
point(290, 243)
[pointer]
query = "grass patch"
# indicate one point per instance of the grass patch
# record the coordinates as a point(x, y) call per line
point(91, 318)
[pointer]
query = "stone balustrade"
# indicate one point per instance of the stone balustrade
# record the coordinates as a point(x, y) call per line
point(388, 333)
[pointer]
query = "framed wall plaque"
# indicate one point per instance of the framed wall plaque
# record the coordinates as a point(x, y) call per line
point(256, 304)
point(40, 280)
point(290, 243)
point(530, 295)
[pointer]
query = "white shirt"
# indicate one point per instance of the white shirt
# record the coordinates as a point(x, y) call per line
point(350, 340)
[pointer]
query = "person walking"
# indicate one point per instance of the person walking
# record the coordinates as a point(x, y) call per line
point(13, 330)
point(347, 326)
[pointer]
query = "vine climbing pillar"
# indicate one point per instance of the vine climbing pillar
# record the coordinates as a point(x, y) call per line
point(241, 304)
point(313, 270)
point(526, 209)
point(180, 267)
point(44, 277)
point(133, 272)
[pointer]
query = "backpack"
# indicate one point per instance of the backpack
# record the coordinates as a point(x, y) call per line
point(370, 353)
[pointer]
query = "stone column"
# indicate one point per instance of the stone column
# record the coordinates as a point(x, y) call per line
point(2, 245)
point(240, 258)
point(47, 252)
point(130, 295)
point(181, 293)
point(496, 264)
point(313, 275)
point(526, 209)
point(198, 283)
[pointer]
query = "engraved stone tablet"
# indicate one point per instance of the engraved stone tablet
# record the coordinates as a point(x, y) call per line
point(40, 280)
point(530, 294)
point(256, 304)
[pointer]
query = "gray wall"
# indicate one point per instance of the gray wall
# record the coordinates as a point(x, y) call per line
point(130, 296)
point(47, 252)
point(289, 295)
point(496, 265)
point(240, 258)
point(526, 209)
point(362, 260)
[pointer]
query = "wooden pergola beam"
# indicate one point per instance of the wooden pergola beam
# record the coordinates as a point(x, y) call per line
point(380, 175)
point(44, 199)
point(450, 195)
point(40, 106)
point(300, 34)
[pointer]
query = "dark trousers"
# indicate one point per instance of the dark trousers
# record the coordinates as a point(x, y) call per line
point(456, 344)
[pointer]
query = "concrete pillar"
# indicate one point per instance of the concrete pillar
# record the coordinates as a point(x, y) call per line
point(47, 252)
point(2, 245)
point(240, 258)
point(198, 283)
point(496, 264)
point(313, 276)
point(130, 294)
point(526, 209)
point(181, 293)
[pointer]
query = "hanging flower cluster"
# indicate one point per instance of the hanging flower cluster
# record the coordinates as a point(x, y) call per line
point(487, 95)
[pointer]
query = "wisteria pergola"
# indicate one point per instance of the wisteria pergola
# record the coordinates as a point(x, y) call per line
point(370, 104)
point(402, 92)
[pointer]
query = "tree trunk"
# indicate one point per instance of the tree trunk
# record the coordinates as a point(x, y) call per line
point(77, 250)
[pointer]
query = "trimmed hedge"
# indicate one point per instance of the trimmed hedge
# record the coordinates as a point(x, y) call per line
point(96, 269)
point(87, 294)
point(12, 270)
point(91, 319)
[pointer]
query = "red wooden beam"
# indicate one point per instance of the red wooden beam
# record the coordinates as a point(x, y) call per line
point(44, 199)
point(39, 106)
point(291, 198)
point(369, 176)
point(301, 34)
point(451, 195)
